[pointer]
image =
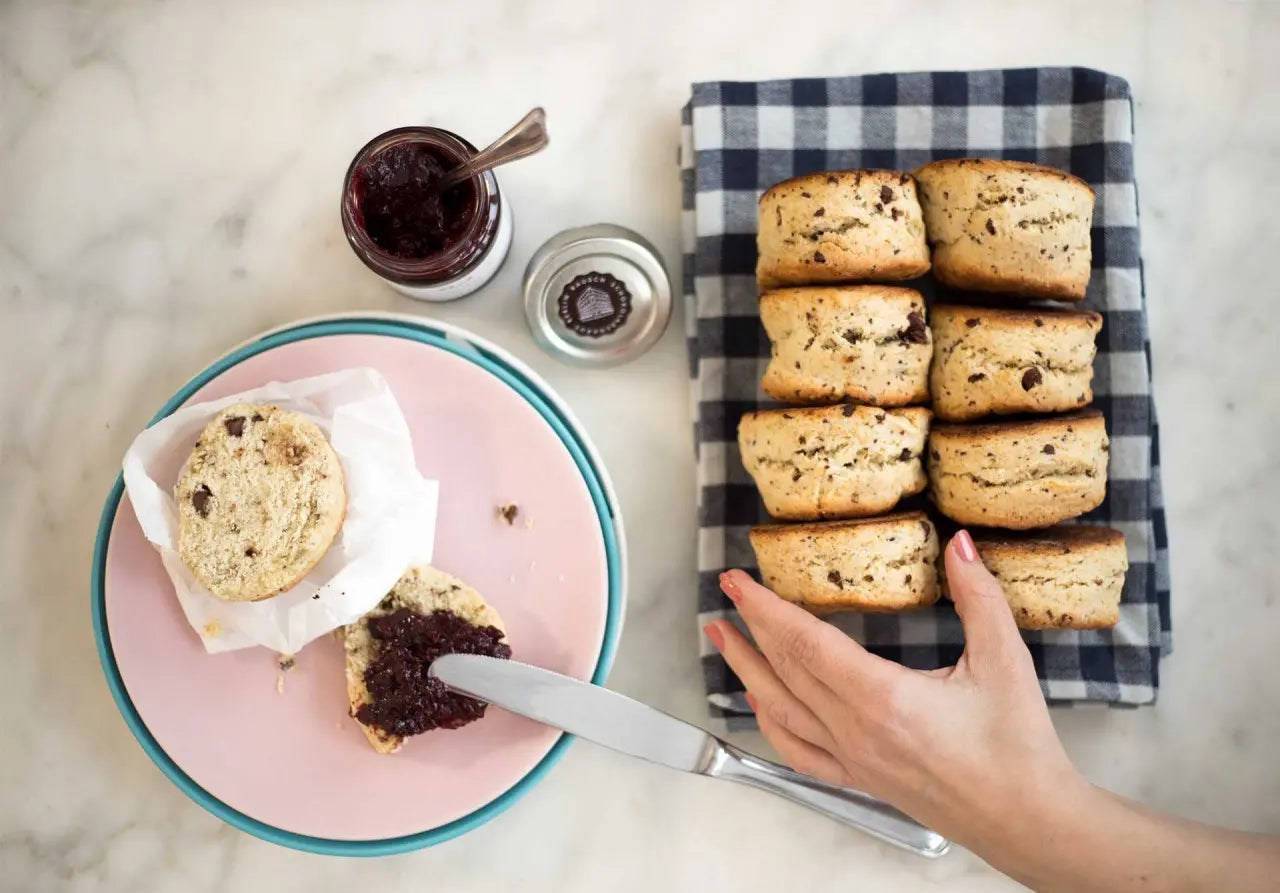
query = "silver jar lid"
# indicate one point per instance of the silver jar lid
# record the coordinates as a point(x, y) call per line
point(597, 295)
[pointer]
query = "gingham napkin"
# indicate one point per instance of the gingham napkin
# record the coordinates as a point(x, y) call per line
point(740, 138)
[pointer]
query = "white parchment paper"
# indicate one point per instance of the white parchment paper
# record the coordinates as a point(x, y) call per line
point(390, 522)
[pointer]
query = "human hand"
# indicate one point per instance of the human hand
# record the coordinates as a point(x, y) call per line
point(969, 750)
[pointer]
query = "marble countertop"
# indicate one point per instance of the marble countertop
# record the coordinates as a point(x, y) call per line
point(169, 174)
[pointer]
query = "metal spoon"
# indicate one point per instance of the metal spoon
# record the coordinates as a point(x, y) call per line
point(528, 136)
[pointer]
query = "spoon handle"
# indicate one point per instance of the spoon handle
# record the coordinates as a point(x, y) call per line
point(529, 135)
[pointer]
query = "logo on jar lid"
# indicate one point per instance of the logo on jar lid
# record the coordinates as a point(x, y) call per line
point(594, 304)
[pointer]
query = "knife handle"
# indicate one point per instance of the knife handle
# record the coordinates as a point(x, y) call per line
point(852, 807)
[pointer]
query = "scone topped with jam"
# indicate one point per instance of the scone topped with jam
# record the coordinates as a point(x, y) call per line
point(427, 614)
point(260, 501)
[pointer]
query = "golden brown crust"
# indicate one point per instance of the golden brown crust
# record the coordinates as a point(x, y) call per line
point(862, 343)
point(1001, 165)
point(841, 226)
point(885, 564)
point(1049, 424)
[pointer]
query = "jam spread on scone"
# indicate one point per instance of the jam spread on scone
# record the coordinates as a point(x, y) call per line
point(404, 699)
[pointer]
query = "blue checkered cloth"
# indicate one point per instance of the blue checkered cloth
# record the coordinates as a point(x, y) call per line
point(740, 138)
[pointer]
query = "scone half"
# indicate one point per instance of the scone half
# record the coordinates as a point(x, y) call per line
point(462, 621)
point(260, 500)
point(841, 226)
point(815, 463)
point(859, 343)
point(1003, 361)
point(1019, 474)
point(1066, 577)
point(1008, 227)
point(884, 564)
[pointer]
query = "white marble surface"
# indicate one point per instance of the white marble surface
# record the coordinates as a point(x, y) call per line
point(169, 176)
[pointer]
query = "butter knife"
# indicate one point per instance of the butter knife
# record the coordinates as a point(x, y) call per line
point(618, 722)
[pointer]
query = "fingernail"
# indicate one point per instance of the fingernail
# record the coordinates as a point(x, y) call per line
point(730, 588)
point(964, 546)
point(751, 701)
point(715, 634)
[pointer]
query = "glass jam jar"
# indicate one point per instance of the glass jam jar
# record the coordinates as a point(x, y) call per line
point(429, 244)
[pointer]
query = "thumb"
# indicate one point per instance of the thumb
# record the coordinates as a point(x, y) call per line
point(989, 629)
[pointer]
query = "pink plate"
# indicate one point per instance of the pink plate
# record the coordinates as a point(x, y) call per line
point(294, 760)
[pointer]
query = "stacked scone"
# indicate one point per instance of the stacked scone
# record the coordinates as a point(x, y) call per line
point(1021, 231)
point(855, 361)
point(851, 360)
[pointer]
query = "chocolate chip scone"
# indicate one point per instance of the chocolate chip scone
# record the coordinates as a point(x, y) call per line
point(834, 461)
point(428, 613)
point(1019, 475)
point(260, 500)
point(871, 564)
point(864, 343)
point(1003, 361)
point(1067, 577)
point(841, 226)
point(1008, 226)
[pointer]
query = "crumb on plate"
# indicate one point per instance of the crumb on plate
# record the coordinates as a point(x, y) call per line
point(213, 629)
point(508, 512)
point(286, 662)
point(280, 683)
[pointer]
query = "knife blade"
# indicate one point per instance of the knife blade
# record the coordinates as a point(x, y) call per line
point(631, 727)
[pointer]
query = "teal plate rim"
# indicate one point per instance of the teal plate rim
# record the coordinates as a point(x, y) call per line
point(530, 391)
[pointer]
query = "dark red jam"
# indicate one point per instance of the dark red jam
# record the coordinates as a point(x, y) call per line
point(401, 206)
point(404, 700)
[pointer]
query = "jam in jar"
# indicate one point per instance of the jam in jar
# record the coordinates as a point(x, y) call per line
point(429, 243)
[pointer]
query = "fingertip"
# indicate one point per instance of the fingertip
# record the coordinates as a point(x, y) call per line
point(715, 634)
point(962, 547)
point(731, 584)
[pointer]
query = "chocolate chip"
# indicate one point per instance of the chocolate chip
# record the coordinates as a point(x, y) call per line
point(200, 500)
point(991, 227)
point(833, 180)
point(847, 409)
point(818, 258)
point(886, 194)
point(805, 195)
point(904, 455)
point(907, 579)
point(1048, 449)
point(868, 578)
point(904, 179)
point(257, 417)
point(895, 213)
point(802, 440)
point(852, 336)
point(1019, 190)
point(834, 577)
point(916, 332)
point(1039, 323)
point(879, 417)
point(821, 212)
point(234, 425)
point(879, 208)
point(796, 475)
point(1031, 378)
point(972, 323)
point(977, 376)
point(250, 552)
